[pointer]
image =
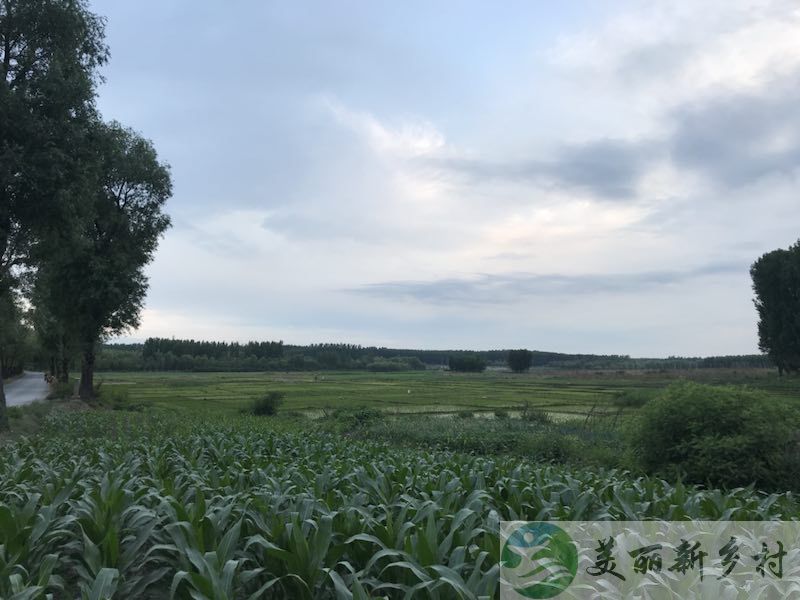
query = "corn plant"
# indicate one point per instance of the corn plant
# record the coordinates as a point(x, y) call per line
point(141, 505)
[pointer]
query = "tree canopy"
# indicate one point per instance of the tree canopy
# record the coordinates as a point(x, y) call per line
point(776, 283)
point(98, 284)
point(520, 360)
point(50, 51)
point(467, 362)
point(81, 200)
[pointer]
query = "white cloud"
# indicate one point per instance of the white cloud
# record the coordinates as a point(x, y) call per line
point(567, 165)
point(408, 139)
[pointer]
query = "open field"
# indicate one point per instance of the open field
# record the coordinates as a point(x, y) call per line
point(574, 393)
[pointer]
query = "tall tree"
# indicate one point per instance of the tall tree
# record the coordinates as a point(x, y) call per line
point(57, 337)
point(520, 360)
point(50, 51)
point(97, 283)
point(776, 283)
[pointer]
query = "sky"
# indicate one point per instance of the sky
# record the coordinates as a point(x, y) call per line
point(574, 177)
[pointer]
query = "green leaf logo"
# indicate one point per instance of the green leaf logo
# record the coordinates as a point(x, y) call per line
point(539, 560)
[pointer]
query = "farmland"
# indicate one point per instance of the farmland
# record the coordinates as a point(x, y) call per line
point(181, 495)
point(572, 393)
point(147, 505)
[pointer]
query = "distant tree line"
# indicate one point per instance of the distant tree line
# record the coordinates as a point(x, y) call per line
point(467, 363)
point(163, 354)
point(216, 350)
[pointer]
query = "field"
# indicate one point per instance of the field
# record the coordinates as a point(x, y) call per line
point(178, 494)
point(419, 392)
point(110, 504)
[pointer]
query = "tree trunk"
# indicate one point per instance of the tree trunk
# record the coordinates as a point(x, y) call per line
point(86, 389)
point(53, 366)
point(3, 413)
point(63, 375)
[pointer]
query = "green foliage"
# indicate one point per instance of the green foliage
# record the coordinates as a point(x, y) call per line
point(161, 354)
point(61, 390)
point(100, 266)
point(535, 414)
point(723, 435)
point(465, 414)
point(501, 413)
point(268, 404)
point(118, 398)
point(568, 443)
point(16, 337)
point(49, 55)
point(520, 360)
point(776, 283)
point(468, 362)
point(411, 363)
point(631, 398)
point(151, 506)
point(355, 418)
point(418, 391)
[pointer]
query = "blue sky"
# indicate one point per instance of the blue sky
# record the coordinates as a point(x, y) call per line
point(594, 177)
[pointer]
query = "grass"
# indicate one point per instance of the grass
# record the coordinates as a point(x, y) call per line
point(565, 394)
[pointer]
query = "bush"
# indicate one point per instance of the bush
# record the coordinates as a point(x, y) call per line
point(534, 414)
point(118, 398)
point(501, 414)
point(725, 436)
point(61, 390)
point(267, 405)
point(631, 399)
point(465, 414)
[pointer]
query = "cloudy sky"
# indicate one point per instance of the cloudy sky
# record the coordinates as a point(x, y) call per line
point(576, 177)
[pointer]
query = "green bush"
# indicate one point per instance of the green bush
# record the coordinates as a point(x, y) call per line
point(352, 418)
point(267, 405)
point(725, 436)
point(534, 414)
point(465, 414)
point(501, 414)
point(631, 398)
point(61, 390)
point(551, 447)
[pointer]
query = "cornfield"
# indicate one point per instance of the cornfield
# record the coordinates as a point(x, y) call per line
point(103, 505)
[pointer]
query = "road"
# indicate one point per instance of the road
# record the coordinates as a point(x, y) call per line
point(28, 387)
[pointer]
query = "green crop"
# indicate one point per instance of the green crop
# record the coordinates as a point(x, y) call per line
point(127, 505)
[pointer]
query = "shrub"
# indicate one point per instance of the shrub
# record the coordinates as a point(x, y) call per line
point(552, 447)
point(501, 414)
point(534, 414)
point(631, 399)
point(118, 398)
point(267, 405)
point(465, 414)
point(721, 435)
point(60, 390)
point(357, 417)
